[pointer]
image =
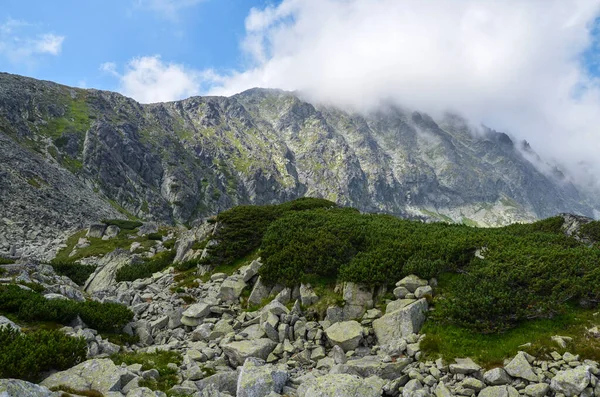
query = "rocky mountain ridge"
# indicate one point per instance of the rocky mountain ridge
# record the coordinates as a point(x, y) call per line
point(71, 156)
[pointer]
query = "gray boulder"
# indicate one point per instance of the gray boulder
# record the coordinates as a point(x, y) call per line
point(307, 295)
point(346, 334)
point(101, 375)
point(340, 385)
point(212, 386)
point(537, 390)
point(571, 382)
point(259, 292)
point(358, 299)
point(400, 323)
point(232, 288)
point(519, 367)
point(499, 391)
point(194, 314)
point(238, 352)
point(111, 232)
point(411, 283)
point(497, 377)
point(105, 274)
point(21, 388)
point(464, 366)
point(257, 379)
point(96, 230)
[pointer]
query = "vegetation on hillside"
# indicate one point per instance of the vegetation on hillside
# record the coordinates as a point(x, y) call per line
point(31, 306)
point(28, 355)
point(520, 272)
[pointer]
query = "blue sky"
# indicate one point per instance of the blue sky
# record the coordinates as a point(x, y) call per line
point(197, 33)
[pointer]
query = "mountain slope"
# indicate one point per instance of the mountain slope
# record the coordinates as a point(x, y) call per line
point(101, 154)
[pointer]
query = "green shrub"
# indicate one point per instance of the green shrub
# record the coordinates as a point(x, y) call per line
point(32, 307)
point(76, 272)
point(155, 236)
point(591, 230)
point(243, 227)
point(143, 270)
point(169, 244)
point(105, 316)
point(187, 265)
point(167, 377)
point(122, 223)
point(28, 356)
point(2, 272)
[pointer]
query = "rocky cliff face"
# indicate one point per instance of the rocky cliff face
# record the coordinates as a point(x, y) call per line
point(70, 156)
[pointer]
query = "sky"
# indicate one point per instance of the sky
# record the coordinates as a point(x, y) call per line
point(530, 68)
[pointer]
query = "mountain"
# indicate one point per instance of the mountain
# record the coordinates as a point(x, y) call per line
point(70, 156)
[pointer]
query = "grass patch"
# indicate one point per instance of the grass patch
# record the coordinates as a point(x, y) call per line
point(6, 261)
point(490, 350)
point(33, 182)
point(185, 279)
point(167, 377)
point(155, 264)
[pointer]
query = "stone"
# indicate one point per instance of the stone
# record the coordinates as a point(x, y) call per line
point(499, 391)
point(111, 231)
point(537, 390)
point(497, 377)
point(464, 366)
point(105, 274)
point(442, 391)
point(400, 323)
point(258, 379)
point(358, 299)
point(307, 295)
point(346, 334)
point(238, 352)
point(141, 392)
point(571, 382)
point(194, 314)
point(225, 382)
point(411, 283)
point(372, 366)
point(232, 288)
point(251, 270)
point(472, 383)
point(96, 230)
point(6, 323)
point(338, 385)
point(21, 388)
point(519, 367)
point(101, 375)
point(259, 292)
point(398, 304)
point(412, 388)
point(423, 291)
point(400, 292)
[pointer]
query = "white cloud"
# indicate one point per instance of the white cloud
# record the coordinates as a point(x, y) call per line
point(49, 43)
point(512, 64)
point(149, 79)
point(20, 45)
point(168, 8)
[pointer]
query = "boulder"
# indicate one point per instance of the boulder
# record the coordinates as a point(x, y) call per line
point(194, 314)
point(571, 382)
point(464, 366)
point(497, 377)
point(400, 323)
point(259, 293)
point(372, 366)
point(307, 295)
point(101, 375)
point(257, 379)
point(21, 388)
point(238, 352)
point(111, 232)
point(499, 391)
point(537, 390)
point(221, 382)
point(519, 367)
point(346, 334)
point(232, 288)
point(340, 385)
point(442, 391)
point(96, 230)
point(106, 272)
point(411, 283)
point(423, 291)
point(358, 298)
point(398, 304)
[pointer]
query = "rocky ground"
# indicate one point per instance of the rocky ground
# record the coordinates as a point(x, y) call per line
point(237, 336)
